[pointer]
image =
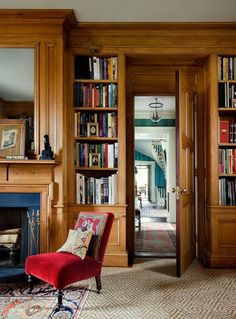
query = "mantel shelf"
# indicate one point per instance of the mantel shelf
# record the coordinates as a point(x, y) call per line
point(30, 161)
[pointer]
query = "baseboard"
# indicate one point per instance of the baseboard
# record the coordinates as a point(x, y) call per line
point(116, 260)
point(214, 261)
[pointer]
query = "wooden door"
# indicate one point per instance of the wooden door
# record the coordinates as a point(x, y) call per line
point(185, 214)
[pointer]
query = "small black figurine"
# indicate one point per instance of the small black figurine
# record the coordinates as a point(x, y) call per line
point(47, 153)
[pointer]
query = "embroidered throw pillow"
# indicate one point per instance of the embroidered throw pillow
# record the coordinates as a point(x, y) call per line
point(77, 243)
point(95, 223)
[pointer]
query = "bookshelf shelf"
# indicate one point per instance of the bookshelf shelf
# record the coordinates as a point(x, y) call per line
point(227, 109)
point(226, 81)
point(96, 169)
point(95, 109)
point(227, 175)
point(96, 139)
point(96, 81)
point(227, 145)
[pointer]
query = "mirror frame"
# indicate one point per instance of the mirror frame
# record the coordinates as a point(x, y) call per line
point(36, 86)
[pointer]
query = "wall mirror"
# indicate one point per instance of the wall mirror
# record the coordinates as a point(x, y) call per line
point(17, 96)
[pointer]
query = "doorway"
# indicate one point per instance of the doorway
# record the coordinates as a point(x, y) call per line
point(149, 75)
point(154, 153)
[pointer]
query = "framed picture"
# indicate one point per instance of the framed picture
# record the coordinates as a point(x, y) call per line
point(94, 160)
point(12, 137)
point(92, 129)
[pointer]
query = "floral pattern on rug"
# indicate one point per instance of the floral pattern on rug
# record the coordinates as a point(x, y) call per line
point(15, 303)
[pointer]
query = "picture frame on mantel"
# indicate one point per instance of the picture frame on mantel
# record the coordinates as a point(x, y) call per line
point(12, 137)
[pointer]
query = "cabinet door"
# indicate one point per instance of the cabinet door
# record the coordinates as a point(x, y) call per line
point(223, 241)
point(185, 213)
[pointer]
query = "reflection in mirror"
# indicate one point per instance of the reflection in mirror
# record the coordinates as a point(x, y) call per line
point(17, 97)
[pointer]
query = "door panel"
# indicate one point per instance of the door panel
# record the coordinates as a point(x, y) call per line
point(185, 213)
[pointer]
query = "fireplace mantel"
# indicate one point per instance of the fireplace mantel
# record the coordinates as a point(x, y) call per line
point(35, 162)
point(30, 171)
point(33, 176)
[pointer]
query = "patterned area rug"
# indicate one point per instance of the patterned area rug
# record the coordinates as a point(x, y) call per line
point(155, 237)
point(42, 304)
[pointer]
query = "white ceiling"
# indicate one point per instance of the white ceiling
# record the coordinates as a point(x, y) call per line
point(141, 102)
point(142, 111)
point(136, 10)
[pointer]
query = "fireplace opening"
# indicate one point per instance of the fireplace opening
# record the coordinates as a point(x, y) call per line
point(19, 232)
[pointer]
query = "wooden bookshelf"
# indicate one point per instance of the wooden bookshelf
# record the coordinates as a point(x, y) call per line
point(221, 213)
point(85, 109)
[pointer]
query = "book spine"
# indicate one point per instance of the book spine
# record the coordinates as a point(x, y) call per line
point(224, 131)
point(231, 132)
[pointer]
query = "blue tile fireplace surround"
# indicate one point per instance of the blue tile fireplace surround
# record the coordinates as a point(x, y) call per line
point(18, 211)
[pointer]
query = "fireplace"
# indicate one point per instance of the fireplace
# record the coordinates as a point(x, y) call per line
point(19, 231)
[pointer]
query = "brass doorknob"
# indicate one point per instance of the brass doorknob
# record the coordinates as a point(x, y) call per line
point(184, 190)
point(173, 190)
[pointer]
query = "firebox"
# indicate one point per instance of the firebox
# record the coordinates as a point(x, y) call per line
point(19, 231)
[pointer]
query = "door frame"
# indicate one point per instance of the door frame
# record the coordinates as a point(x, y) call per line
point(133, 91)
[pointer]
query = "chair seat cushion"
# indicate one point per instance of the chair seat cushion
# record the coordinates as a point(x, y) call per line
point(61, 269)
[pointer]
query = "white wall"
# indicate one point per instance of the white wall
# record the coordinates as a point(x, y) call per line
point(137, 10)
point(152, 177)
point(171, 175)
point(148, 133)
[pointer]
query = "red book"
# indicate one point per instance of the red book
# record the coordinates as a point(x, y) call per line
point(224, 131)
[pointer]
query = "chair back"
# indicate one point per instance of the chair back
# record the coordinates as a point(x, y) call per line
point(100, 223)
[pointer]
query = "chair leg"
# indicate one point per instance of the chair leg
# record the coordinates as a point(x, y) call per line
point(30, 284)
point(59, 298)
point(98, 283)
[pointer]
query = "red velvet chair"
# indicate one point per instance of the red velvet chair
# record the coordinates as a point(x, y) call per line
point(62, 269)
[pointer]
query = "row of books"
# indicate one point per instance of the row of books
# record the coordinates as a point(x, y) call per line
point(227, 189)
point(95, 95)
point(96, 155)
point(227, 161)
point(227, 131)
point(227, 95)
point(95, 68)
point(227, 68)
point(102, 124)
point(90, 190)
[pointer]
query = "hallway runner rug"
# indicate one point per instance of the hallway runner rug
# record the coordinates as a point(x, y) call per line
point(15, 303)
point(155, 237)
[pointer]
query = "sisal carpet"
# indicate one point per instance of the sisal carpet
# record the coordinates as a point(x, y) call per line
point(42, 304)
point(155, 237)
point(150, 290)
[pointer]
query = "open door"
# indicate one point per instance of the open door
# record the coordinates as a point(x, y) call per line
point(185, 213)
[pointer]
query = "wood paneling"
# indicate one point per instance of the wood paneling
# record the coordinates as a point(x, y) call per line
point(148, 53)
point(45, 31)
point(155, 38)
point(222, 244)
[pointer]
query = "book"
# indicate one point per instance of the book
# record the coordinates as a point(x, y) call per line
point(224, 131)
point(82, 67)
